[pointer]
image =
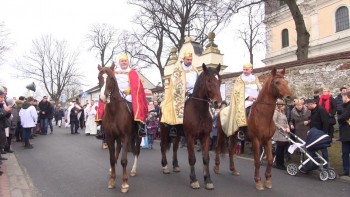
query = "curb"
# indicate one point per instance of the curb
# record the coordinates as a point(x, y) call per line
point(18, 182)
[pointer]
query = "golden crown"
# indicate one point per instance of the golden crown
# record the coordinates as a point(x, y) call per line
point(123, 57)
point(187, 54)
point(248, 65)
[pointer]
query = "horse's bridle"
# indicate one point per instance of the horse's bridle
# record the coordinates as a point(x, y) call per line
point(272, 84)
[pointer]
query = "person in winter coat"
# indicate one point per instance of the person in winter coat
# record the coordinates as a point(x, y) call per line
point(19, 128)
point(281, 122)
point(152, 127)
point(344, 133)
point(299, 117)
point(60, 116)
point(29, 117)
point(5, 113)
point(44, 112)
point(13, 126)
point(330, 105)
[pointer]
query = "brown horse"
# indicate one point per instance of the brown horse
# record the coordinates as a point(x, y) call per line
point(261, 126)
point(198, 121)
point(119, 126)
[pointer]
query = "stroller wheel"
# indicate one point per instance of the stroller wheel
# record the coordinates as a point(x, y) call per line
point(331, 174)
point(323, 175)
point(292, 169)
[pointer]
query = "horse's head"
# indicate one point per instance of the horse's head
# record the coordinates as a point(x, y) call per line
point(212, 82)
point(279, 85)
point(106, 82)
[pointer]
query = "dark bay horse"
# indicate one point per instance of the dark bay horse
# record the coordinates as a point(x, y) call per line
point(261, 126)
point(198, 121)
point(119, 126)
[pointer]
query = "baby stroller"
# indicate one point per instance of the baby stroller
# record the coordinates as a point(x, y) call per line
point(316, 140)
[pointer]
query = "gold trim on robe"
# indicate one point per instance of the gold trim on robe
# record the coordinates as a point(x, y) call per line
point(174, 100)
point(234, 116)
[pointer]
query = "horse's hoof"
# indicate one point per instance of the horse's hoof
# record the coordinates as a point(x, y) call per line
point(124, 188)
point(176, 169)
point(209, 186)
point(111, 184)
point(166, 170)
point(268, 184)
point(216, 169)
point(236, 173)
point(195, 185)
point(259, 186)
point(133, 173)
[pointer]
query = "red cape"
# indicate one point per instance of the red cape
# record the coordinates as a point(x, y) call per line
point(100, 111)
point(139, 102)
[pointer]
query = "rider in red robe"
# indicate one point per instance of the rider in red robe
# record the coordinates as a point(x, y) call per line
point(131, 89)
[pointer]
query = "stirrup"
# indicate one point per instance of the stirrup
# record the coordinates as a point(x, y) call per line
point(173, 132)
point(142, 132)
point(240, 135)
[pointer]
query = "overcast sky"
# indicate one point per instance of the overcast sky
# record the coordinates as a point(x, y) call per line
point(71, 20)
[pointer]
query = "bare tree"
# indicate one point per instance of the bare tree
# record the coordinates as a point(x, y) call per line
point(164, 24)
point(102, 38)
point(51, 63)
point(303, 35)
point(251, 32)
point(4, 42)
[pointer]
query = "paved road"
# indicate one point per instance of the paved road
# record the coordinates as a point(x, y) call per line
point(75, 165)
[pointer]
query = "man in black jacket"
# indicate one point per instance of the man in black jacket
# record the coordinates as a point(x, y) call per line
point(319, 119)
point(44, 112)
point(344, 133)
point(5, 113)
point(339, 100)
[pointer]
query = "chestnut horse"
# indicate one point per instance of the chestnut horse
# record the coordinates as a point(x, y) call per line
point(198, 122)
point(261, 126)
point(119, 126)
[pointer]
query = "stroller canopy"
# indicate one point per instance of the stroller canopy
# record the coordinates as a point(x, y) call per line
point(317, 140)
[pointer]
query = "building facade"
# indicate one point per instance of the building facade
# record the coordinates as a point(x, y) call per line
point(327, 21)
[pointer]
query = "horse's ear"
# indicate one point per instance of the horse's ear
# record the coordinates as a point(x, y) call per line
point(274, 71)
point(112, 66)
point(204, 67)
point(218, 68)
point(99, 67)
point(283, 71)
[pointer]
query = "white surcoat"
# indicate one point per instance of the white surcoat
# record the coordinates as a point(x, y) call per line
point(122, 76)
point(250, 88)
point(191, 78)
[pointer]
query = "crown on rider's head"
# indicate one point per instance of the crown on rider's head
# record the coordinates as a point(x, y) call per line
point(123, 56)
point(187, 54)
point(248, 65)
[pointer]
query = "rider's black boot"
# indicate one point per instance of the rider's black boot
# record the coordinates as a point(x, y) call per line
point(141, 129)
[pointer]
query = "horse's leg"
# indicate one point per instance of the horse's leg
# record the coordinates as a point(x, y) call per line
point(205, 141)
point(136, 155)
point(192, 161)
point(233, 141)
point(268, 149)
point(220, 147)
point(163, 147)
point(124, 162)
point(112, 159)
point(176, 141)
point(256, 151)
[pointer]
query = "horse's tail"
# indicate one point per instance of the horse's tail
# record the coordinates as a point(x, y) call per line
point(221, 146)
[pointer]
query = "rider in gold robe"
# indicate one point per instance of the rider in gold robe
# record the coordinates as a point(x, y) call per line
point(182, 82)
point(245, 91)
